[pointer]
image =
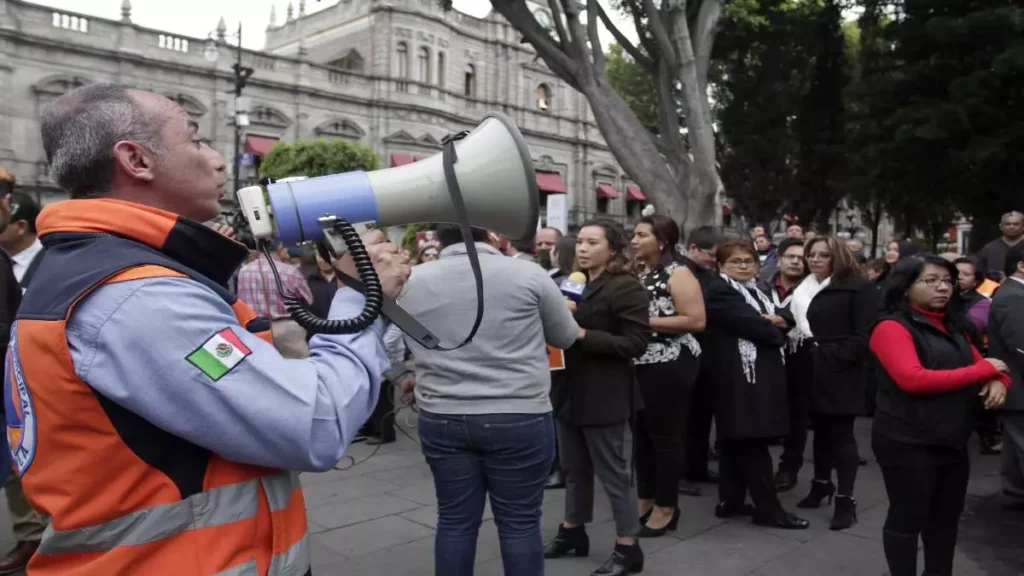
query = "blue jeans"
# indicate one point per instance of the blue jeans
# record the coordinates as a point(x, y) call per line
point(505, 455)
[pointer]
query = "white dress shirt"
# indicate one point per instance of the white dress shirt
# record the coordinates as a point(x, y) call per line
point(22, 260)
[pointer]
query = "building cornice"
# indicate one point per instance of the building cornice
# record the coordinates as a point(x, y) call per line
point(222, 74)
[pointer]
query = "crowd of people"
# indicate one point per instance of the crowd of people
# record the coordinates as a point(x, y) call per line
point(756, 341)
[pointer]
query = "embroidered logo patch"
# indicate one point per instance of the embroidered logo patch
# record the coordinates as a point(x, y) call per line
point(219, 355)
point(19, 412)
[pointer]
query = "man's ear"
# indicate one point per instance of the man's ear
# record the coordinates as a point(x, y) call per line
point(133, 160)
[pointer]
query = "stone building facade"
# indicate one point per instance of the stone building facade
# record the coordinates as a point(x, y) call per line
point(397, 75)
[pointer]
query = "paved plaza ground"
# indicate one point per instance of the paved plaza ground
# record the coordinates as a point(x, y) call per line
point(378, 518)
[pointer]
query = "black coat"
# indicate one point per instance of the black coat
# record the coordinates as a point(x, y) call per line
point(1006, 338)
point(600, 387)
point(841, 317)
point(744, 410)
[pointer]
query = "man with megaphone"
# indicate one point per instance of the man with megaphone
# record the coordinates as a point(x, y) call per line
point(148, 413)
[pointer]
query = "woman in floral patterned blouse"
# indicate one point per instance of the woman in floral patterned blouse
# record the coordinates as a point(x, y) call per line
point(666, 372)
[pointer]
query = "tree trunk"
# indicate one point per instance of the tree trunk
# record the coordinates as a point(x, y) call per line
point(634, 149)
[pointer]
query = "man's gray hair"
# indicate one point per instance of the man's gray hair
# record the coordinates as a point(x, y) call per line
point(79, 133)
point(1013, 214)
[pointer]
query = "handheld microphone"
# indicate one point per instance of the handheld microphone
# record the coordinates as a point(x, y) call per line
point(573, 286)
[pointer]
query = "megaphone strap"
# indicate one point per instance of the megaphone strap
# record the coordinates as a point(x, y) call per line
point(448, 158)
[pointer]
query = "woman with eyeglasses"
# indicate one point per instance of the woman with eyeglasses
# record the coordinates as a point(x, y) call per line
point(927, 391)
point(748, 370)
point(835, 308)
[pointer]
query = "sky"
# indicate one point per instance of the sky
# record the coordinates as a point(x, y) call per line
point(198, 18)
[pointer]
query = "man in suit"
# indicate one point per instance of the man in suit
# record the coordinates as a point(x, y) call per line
point(19, 238)
point(1006, 342)
point(28, 525)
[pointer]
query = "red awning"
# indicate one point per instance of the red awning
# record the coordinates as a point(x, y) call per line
point(417, 158)
point(551, 182)
point(401, 160)
point(606, 191)
point(635, 194)
point(726, 209)
point(259, 145)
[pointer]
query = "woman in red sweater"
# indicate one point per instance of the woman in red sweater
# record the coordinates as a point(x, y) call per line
point(926, 411)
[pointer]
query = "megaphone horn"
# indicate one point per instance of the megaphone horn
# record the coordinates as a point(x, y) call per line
point(494, 172)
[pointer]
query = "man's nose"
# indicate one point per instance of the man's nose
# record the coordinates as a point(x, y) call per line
point(218, 161)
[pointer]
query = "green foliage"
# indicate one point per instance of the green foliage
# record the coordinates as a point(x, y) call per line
point(939, 111)
point(318, 158)
point(634, 84)
point(409, 240)
point(778, 74)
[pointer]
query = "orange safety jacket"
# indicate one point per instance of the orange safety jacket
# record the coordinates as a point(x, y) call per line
point(123, 496)
point(987, 288)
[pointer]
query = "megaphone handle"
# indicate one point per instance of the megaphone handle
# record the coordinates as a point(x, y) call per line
point(397, 315)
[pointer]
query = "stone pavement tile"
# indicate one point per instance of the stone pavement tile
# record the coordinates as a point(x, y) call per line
point(405, 477)
point(345, 490)
point(427, 515)
point(833, 553)
point(379, 534)
point(355, 511)
point(419, 493)
point(726, 550)
point(413, 558)
point(320, 555)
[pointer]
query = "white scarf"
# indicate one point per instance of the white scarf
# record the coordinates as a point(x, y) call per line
point(748, 350)
point(802, 296)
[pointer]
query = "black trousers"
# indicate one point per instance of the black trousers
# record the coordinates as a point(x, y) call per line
point(382, 422)
point(658, 429)
point(697, 435)
point(745, 464)
point(926, 486)
point(799, 371)
point(835, 446)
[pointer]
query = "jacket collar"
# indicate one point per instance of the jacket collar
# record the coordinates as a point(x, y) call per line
point(182, 239)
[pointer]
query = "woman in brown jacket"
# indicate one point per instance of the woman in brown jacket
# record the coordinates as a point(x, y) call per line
point(599, 395)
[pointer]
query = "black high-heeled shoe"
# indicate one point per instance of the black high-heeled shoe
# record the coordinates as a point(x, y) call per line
point(625, 559)
point(845, 514)
point(820, 490)
point(568, 540)
point(648, 532)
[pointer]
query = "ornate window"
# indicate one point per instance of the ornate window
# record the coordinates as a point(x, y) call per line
point(402, 52)
point(543, 97)
point(469, 88)
point(423, 65)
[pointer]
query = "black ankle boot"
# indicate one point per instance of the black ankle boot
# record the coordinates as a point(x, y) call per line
point(900, 553)
point(820, 489)
point(939, 548)
point(625, 559)
point(845, 514)
point(568, 540)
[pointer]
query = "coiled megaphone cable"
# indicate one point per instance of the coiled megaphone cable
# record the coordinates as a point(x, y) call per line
point(372, 289)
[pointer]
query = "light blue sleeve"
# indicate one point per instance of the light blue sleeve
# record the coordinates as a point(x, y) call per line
point(131, 342)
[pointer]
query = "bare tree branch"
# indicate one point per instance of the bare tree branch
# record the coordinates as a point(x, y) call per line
point(635, 9)
point(704, 37)
point(579, 35)
point(520, 17)
point(595, 41)
point(556, 15)
point(668, 50)
point(639, 57)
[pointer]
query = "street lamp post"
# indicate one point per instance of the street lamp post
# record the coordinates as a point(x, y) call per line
point(242, 74)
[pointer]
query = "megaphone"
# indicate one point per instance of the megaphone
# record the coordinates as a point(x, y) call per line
point(483, 178)
point(494, 171)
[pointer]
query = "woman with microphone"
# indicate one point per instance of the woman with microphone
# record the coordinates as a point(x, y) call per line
point(599, 396)
point(665, 373)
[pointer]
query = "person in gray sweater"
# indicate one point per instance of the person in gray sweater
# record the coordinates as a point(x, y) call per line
point(485, 415)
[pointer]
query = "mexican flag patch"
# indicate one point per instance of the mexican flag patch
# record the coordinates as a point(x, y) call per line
point(219, 355)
